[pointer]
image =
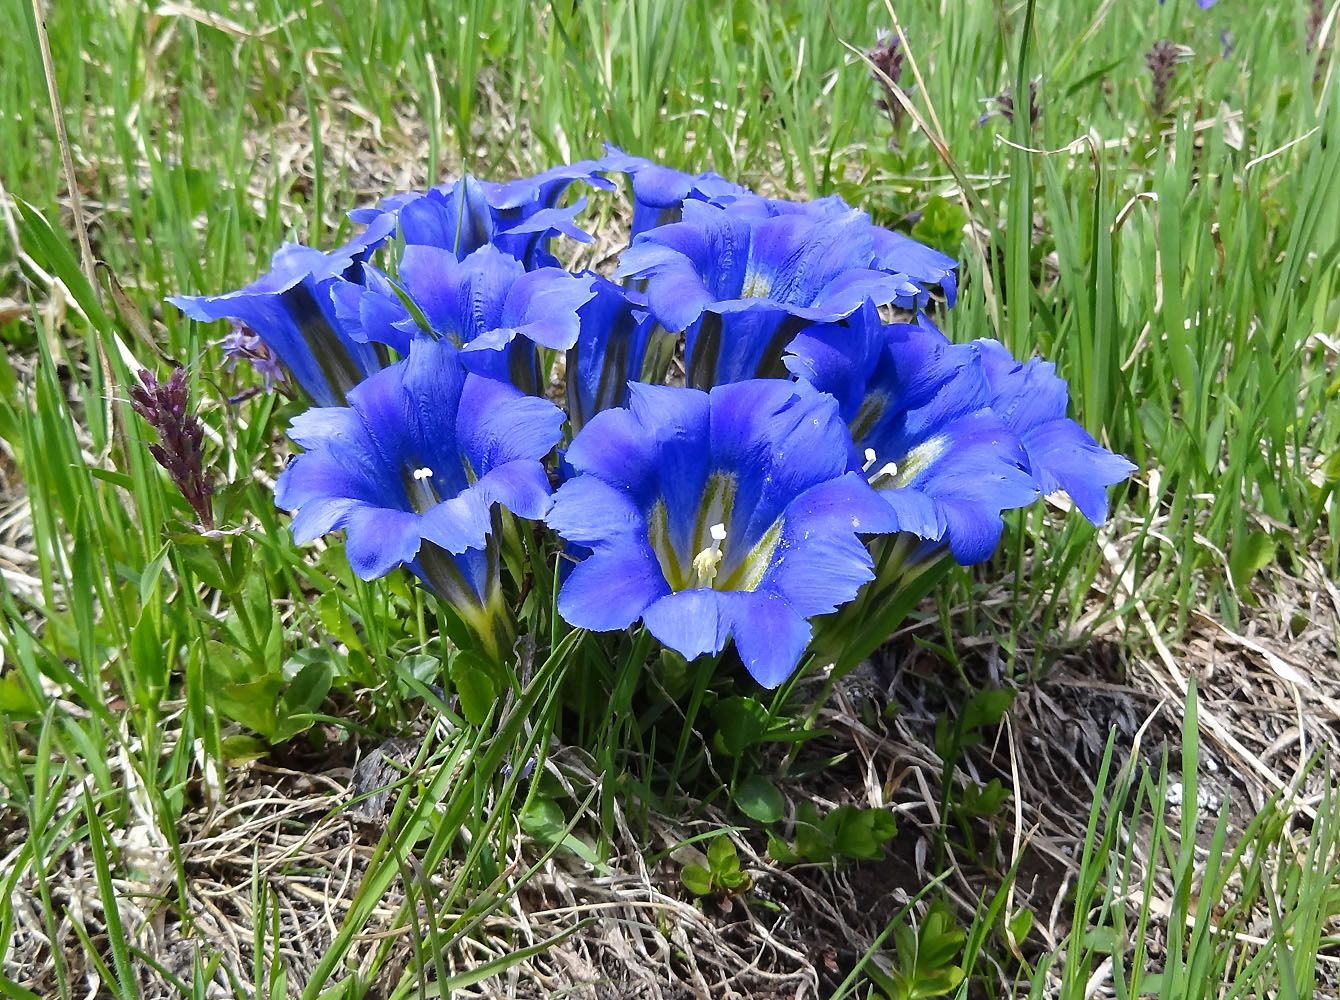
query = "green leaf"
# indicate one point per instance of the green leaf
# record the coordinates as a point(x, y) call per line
point(721, 856)
point(941, 224)
point(696, 879)
point(148, 656)
point(780, 851)
point(1249, 556)
point(1020, 924)
point(15, 699)
point(253, 704)
point(759, 799)
point(475, 686)
point(741, 724)
point(304, 696)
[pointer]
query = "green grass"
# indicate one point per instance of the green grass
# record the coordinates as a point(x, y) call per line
point(1181, 270)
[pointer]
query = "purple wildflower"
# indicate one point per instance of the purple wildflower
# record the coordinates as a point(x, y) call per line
point(164, 407)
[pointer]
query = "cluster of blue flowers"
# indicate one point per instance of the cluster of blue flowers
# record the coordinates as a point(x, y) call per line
point(741, 419)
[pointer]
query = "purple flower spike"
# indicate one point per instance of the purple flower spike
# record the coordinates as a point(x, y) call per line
point(290, 310)
point(735, 513)
point(165, 407)
point(412, 469)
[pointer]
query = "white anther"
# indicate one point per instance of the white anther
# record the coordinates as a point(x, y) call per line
point(424, 473)
point(890, 470)
point(870, 457)
point(705, 563)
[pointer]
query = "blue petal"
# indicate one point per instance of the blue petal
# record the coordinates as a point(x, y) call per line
point(615, 447)
point(659, 192)
point(677, 421)
point(1062, 455)
point(458, 523)
point(779, 440)
point(610, 590)
point(290, 310)
point(521, 487)
point(543, 307)
point(769, 635)
point(1032, 400)
point(691, 622)
point(610, 350)
point(456, 219)
point(821, 527)
point(499, 424)
point(901, 254)
point(319, 517)
point(544, 189)
point(377, 540)
point(591, 512)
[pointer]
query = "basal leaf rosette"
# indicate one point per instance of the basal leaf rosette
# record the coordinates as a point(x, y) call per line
point(740, 284)
point(413, 471)
point(290, 310)
point(735, 513)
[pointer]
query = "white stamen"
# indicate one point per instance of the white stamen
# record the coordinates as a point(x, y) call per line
point(890, 470)
point(870, 457)
point(423, 473)
point(705, 563)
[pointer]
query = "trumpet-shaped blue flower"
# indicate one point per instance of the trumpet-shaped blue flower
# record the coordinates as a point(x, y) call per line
point(742, 284)
point(486, 304)
point(518, 217)
point(659, 192)
point(891, 251)
point(923, 413)
point(290, 310)
point(710, 515)
point(1031, 399)
point(412, 468)
point(610, 352)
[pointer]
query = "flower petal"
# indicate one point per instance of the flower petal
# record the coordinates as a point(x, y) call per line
point(377, 540)
point(690, 622)
point(610, 590)
point(769, 635)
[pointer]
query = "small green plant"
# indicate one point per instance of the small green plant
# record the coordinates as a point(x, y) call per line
point(926, 959)
point(848, 832)
point(722, 873)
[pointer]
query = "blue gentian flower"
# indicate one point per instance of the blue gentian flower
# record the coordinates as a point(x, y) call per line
point(741, 284)
point(1031, 399)
point(610, 352)
point(519, 217)
point(709, 515)
point(923, 413)
point(659, 192)
point(290, 310)
point(892, 251)
point(487, 304)
point(412, 470)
